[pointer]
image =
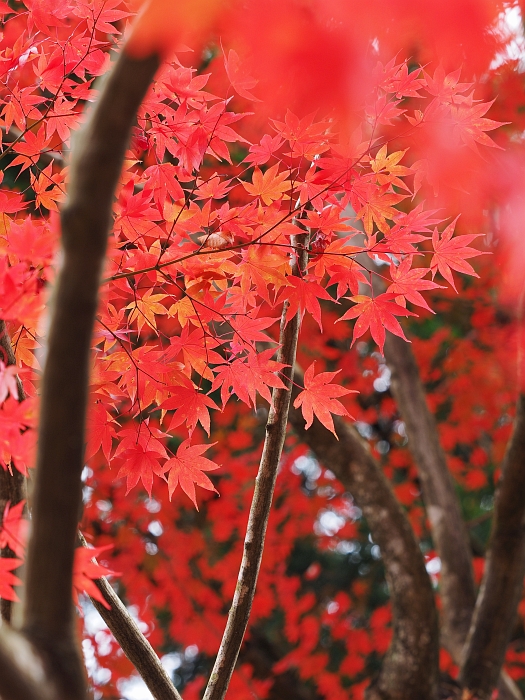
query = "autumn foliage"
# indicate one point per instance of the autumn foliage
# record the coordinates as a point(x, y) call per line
point(385, 142)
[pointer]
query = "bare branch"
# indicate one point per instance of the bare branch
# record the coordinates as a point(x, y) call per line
point(410, 669)
point(504, 571)
point(133, 643)
point(442, 505)
point(97, 161)
point(260, 508)
point(449, 533)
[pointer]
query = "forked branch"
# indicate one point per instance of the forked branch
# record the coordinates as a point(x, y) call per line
point(442, 505)
point(410, 669)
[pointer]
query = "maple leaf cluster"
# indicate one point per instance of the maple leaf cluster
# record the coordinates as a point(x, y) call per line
point(205, 231)
point(200, 257)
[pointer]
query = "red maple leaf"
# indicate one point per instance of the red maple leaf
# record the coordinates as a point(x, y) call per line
point(187, 469)
point(471, 125)
point(30, 149)
point(140, 453)
point(262, 152)
point(451, 253)
point(247, 376)
point(191, 406)
point(8, 580)
point(376, 314)
point(319, 398)
point(303, 295)
point(86, 570)
point(101, 430)
point(14, 530)
point(407, 282)
point(196, 350)
point(241, 82)
point(247, 330)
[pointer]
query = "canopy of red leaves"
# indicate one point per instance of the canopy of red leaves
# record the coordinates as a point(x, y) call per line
point(377, 142)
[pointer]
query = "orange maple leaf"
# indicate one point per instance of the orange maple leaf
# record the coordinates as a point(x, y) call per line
point(378, 206)
point(145, 308)
point(269, 186)
point(47, 188)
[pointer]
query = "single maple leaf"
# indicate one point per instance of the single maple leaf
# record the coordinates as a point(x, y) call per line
point(378, 205)
point(162, 179)
point(407, 282)
point(319, 398)
point(262, 152)
point(14, 529)
point(140, 463)
point(100, 431)
point(269, 186)
point(191, 406)
point(451, 253)
point(470, 125)
point(241, 82)
point(8, 580)
point(262, 266)
point(187, 469)
point(86, 571)
point(197, 351)
point(247, 330)
point(387, 168)
point(303, 295)
point(145, 308)
point(377, 314)
point(213, 188)
point(30, 149)
point(140, 452)
point(32, 240)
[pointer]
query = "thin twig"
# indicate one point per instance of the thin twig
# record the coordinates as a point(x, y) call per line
point(133, 643)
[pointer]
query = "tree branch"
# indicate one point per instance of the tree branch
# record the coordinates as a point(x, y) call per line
point(410, 668)
point(132, 642)
point(457, 589)
point(504, 571)
point(22, 676)
point(261, 502)
point(442, 506)
point(95, 168)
